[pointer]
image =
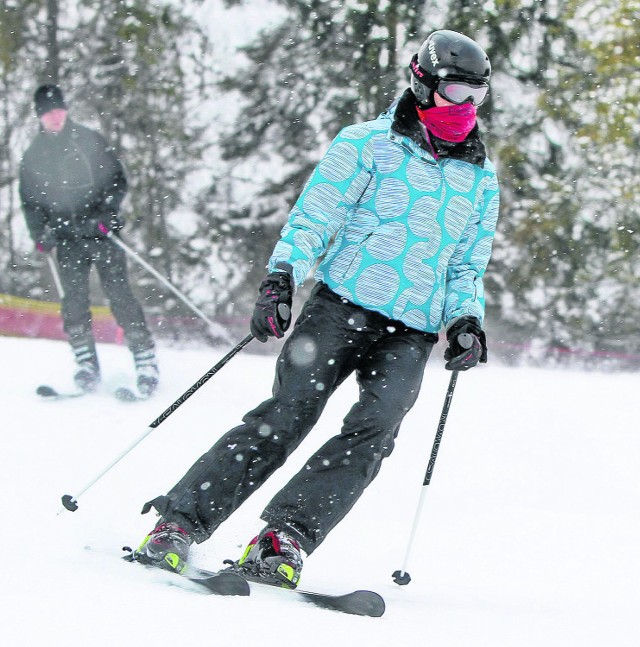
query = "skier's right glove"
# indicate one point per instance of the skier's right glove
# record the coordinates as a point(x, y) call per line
point(467, 344)
point(272, 312)
point(46, 242)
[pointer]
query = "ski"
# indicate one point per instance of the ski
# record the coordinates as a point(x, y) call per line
point(123, 394)
point(226, 582)
point(215, 582)
point(358, 603)
point(49, 393)
point(221, 583)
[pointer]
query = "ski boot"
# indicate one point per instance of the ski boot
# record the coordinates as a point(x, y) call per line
point(166, 546)
point(146, 371)
point(87, 377)
point(273, 557)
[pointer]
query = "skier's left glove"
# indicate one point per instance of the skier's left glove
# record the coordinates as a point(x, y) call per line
point(46, 242)
point(467, 344)
point(272, 312)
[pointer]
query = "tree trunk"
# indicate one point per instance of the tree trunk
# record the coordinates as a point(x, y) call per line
point(52, 67)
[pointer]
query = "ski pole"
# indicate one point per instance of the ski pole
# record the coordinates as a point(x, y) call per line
point(71, 502)
point(55, 274)
point(214, 328)
point(401, 576)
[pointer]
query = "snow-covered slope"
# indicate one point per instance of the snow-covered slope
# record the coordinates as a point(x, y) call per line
point(529, 536)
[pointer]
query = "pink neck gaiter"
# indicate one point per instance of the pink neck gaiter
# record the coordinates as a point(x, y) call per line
point(451, 123)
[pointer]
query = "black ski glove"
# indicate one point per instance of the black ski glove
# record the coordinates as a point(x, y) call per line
point(46, 242)
point(272, 312)
point(467, 345)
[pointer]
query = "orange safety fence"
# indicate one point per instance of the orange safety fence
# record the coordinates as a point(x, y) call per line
point(31, 318)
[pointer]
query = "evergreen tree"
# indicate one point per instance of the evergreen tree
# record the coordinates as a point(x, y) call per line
point(327, 65)
point(568, 173)
point(536, 279)
point(600, 101)
point(136, 68)
point(21, 42)
point(136, 72)
point(560, 124)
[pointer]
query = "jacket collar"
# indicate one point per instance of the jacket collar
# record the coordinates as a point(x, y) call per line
point(406, 122)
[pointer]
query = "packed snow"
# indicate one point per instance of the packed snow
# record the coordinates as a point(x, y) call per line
point(529, 534)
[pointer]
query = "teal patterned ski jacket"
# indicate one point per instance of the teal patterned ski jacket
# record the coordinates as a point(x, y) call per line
point(402, 233)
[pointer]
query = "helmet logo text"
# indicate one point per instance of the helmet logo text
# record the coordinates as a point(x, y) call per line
point(432, 54)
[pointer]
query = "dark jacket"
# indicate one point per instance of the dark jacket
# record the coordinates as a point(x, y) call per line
point(70, 182)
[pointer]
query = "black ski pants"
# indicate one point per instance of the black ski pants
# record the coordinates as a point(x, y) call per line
point(332, 338)
point(75, 258)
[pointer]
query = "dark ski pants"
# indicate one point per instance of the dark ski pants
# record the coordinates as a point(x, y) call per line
point(331, 339)
point(75, 258)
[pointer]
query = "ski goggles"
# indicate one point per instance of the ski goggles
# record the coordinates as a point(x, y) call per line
point(459, 92)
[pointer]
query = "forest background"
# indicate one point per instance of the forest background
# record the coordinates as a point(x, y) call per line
point(220, 109)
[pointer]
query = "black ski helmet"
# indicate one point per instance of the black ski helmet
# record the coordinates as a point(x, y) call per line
point(451, 55)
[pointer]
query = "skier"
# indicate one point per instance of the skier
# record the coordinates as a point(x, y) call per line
point(404, 210)
point(70, 182)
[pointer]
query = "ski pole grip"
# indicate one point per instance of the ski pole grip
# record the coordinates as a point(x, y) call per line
point(103, 228)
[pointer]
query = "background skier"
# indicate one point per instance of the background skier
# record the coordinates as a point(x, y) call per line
point(70, 182)
point(403, 209)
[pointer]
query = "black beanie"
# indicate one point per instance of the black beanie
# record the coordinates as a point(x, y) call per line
point(48, 97)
